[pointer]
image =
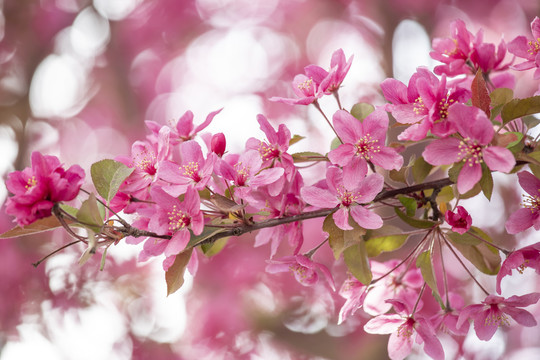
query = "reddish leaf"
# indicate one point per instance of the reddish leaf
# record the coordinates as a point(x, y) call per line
point(175, 274)
point(41, 225)
point(480, 94)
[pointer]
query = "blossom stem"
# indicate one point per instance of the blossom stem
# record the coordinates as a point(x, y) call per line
point(310, 253)
point(445, 279)
point(336, 95)
point(36, 264)
point(464, 266)
point(318, 107)
point(418, 299)
point(504, 251)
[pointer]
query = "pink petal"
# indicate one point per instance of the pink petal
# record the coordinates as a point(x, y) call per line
point(177, 243)
point(399, 347)
point(383, 324)
point(521, 316)
point(499, 159)
point(520, 220)
point(318, 197)
point(342, 155)
point(529, 183)
point(366, 218)
point(370, 187)
point(484, 327)
point(341, 219)
point(469, 175)
point(347, 126)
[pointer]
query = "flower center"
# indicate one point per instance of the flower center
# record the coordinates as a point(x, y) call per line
point(406, 329)
point(366, 146)
point(521, 268)
point(243, 173)
point(470, 152)
point(534, 46)
point(146, 161)
point(31, 183)
point(444, 104)
point(347, 197)
point(303, 274)
point(268, 152)
point(496, 317)
point(454, 50)
point(306, 85)
point(177, 219)
point(531, 202)
point(191, 170)
point(419, 108)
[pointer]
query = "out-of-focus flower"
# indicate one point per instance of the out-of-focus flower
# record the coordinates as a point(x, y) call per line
point(529, 215)
point(36, 189)
point(303, 268)
point(528, 49)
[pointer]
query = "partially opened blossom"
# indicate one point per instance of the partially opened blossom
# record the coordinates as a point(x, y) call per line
point(170, 216)
point(306, 90)
point(37, 188)
point(529, 215)
point(528, 49)
point(347, 195)
point(303, 268)
point(520, 259)
point(473, 147)
point(460, 220)
point(354, 292)
point(193, 170)
point(364, 141)
point(405, 329)
point(494, 311)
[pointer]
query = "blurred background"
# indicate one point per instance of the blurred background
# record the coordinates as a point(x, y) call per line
point(78, 78)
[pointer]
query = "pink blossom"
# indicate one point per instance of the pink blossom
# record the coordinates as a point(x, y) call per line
point(404, 330)
point(472, 148)
point(354, 292)
point(529, 256)
point(346, 194)
point(37, 188)
point(423, 104)
point(364, 141)
point(529, 215)
point(193, 170)
point(494, 311)
point(460, 222)
point(303, 268)
point(218, 144)
point(170, 216)
point(528, 49)
point(446, 320)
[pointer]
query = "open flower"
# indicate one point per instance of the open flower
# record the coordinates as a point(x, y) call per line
point(528, 49)
point(36, 189)
point(472, 148)
point(529, 215)
point(494, 312)
point(529, 256)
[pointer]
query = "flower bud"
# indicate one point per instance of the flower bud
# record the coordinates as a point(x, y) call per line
point(218, 144)
point(460, 222)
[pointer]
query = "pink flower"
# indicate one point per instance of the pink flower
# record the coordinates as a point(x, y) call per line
point(493, 312)
point(354, 292)
point(36, 189)
point(446, 320)
point(404, 329)
point(194, 170)
point(528, 49)
point(424, 104)
point(347, 194)
point(303, 268)
point(472, 148)
point(363, 141)
point(218, 144)
point(528, 256)
point(172, 217)
point(529, 215)
point(460, 222)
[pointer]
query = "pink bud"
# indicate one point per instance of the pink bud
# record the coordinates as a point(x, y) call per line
point(218, 144)
point(460, 222)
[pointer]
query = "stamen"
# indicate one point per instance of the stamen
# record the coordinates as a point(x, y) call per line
point(177, 219)
point(365, 146)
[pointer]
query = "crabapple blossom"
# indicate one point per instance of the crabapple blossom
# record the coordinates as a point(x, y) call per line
point(472, 148)
point(37, 188)
point(528, 49)
point(461, 221)
point(529, 256)
point(494, 312)
point(303, 268)
point(529, 215)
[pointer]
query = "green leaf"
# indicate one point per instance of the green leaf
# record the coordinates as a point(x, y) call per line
point(385, 239)
point(335, 143)
point(295, 139)
point(38, 226)
point(417, 223)
point(308, 156)
point(357, 262)
point(501, 96)
point(362, 110)
point(468, 238)
point(520, 107)
point(207, 232)
point(424, 263)
point(108, 175)
point(445, 195)
point(174, 276)
point(421, 170)
point(486, 182)
point(399, 175)
point(339, 239)
point(91, 214)
point(215, 247)
point(483, 256)
point(409, 203)
point(535, 167)
point(454, 171)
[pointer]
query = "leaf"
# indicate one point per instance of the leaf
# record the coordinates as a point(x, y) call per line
point(399, 175)
point(454, 171)
point(91, 215)
point(357, 262)
point(90, 249)
point(215, 247)
point(306, 156)
point(421, 170)
point(409, 203)
point(483, 256)
point(174, 276)
point(535, 167)
point(417, 223)
point(38, 226)
point(480, 95)
point(424, 263)
point(385, 239)
point(339, 239)
point(335, 143)
point(507, 139)
point(468, 238)
point(361, 110)
point(225, 204)
point(486, 182)
point(520, 107)
point(501, 96)
point(295, 139)
point(207, 232)
point(445, 195)
point(108, 175)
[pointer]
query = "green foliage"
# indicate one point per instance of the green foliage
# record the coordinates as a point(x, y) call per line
point(207, 232)
point(421, 170)
point(295, 139)
point(483, 256)
point(91, 214)
point(486, 182)
point(308, 156)
point(357, 262)
point(424, 262)
point(339, 239)
point(174, 276)
point(107, 176)
point(417, 223)
point(362, 110)
point(385, 239)
point(520, 107)
point(409, 203)
point(38, 226)
point(215, 247)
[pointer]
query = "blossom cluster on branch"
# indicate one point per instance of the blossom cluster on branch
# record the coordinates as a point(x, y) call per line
point(188, 195)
